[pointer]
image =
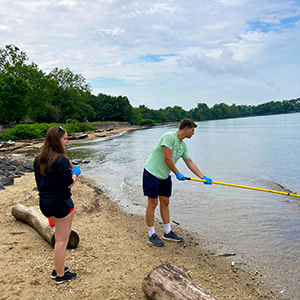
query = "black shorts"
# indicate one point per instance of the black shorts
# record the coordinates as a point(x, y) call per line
point(55, 208)
point(154, 187)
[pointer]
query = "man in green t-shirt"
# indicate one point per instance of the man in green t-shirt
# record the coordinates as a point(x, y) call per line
point(157, 182)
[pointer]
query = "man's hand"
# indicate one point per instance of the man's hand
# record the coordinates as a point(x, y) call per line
point(207, 180)
point(180, 176)
point(76, 170)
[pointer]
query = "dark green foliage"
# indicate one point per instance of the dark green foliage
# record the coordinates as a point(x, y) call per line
point(79, 127)
point(22, 132)
point(33, 131)
point(143, 122)
point(43, 127)
point(13, 102)
point(108, 108)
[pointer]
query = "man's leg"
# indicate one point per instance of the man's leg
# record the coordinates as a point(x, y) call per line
point(152, 203)
point(150, 215)
point(165, 215)
point(164, 209)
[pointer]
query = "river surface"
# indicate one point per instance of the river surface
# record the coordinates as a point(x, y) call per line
point(262, 228)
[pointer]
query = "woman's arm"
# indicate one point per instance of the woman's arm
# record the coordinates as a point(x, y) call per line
point(74, 177)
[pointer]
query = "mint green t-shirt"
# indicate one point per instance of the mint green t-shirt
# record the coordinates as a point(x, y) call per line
point(156, 164)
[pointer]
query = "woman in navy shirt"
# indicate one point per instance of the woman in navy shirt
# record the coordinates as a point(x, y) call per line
point(55, 175)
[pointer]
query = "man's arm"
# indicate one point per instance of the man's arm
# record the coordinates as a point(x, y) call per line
point(169, 160)
point(193, 167)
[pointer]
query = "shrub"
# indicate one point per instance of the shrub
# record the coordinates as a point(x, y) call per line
point(32, 131)
point(22, 132)
point(79, 127)
point(145, 122)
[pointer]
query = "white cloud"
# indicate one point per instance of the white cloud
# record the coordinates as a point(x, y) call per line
point(5, 28)
point(224, 64)
point(232, 2)
point(113, 31)
point(210, 51)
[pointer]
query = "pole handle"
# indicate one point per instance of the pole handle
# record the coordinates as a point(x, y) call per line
point(245, 187)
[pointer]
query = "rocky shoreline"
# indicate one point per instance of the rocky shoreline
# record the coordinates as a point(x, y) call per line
point(11, 169)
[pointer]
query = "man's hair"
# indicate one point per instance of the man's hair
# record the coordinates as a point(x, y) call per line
point(187, 123)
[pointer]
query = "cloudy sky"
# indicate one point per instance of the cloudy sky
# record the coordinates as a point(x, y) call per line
point(168, 52)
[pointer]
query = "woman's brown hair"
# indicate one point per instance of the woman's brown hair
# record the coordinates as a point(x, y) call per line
point(52, 149)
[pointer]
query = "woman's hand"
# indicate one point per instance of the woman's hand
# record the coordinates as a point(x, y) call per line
point(76, 170)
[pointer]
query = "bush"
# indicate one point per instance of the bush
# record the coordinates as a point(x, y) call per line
point(71, 121)
point(22, 132)
point(33, 131)
point(43, 127)
point(79, 127)
point(145, 122)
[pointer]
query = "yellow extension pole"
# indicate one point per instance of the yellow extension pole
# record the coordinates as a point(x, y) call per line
point(245, 187)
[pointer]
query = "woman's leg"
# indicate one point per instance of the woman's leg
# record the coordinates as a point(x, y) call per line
point(62, 234)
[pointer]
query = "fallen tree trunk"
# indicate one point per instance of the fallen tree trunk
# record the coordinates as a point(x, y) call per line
point(35, 219)
point(168, 282)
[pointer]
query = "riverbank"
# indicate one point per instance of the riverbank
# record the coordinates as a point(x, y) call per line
point(23, 146)
point(112, 257)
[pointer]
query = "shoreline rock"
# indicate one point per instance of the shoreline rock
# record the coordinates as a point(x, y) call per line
point(11, 169)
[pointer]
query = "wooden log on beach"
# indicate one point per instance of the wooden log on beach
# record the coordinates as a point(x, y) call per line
point(169, 282)
point(32, 217)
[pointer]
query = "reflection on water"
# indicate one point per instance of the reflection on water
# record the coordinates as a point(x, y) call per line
point(263, 152)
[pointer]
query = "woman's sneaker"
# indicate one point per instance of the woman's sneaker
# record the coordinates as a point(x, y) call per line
point(155, 240)
point(66, 277)
point(53, 274)
point(172, 236)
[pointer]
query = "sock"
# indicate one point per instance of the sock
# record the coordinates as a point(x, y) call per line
point(151, 230)
point(167, 228)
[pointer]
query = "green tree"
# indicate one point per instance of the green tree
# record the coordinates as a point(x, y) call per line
point(234, 111)
point(71, 94)
point(11, 60)
point(136, 116)
point(245, 110)
point(51, 114)
point(13, 63)
point(145, 112)
point(221, 111)
point(13, 103)
point(201, 113)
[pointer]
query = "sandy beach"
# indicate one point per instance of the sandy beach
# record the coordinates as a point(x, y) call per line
point(113, 255)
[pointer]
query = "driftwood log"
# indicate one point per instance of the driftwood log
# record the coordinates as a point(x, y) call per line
point(169, 282)
point(35, 219)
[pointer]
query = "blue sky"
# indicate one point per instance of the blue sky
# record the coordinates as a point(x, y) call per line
point(165, 53)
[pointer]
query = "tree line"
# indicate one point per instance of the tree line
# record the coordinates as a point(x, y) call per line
point(28, 93)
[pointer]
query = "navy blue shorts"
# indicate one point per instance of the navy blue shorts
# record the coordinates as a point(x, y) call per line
point(55, 208)
point(154, 187)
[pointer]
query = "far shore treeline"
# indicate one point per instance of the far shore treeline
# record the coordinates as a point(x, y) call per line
point(27, 94)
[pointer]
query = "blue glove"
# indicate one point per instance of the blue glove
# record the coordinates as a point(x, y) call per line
point(76, 170)
point(208, 180)
point(180, 176)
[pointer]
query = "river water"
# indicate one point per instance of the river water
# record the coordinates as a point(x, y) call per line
point(262, 228)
